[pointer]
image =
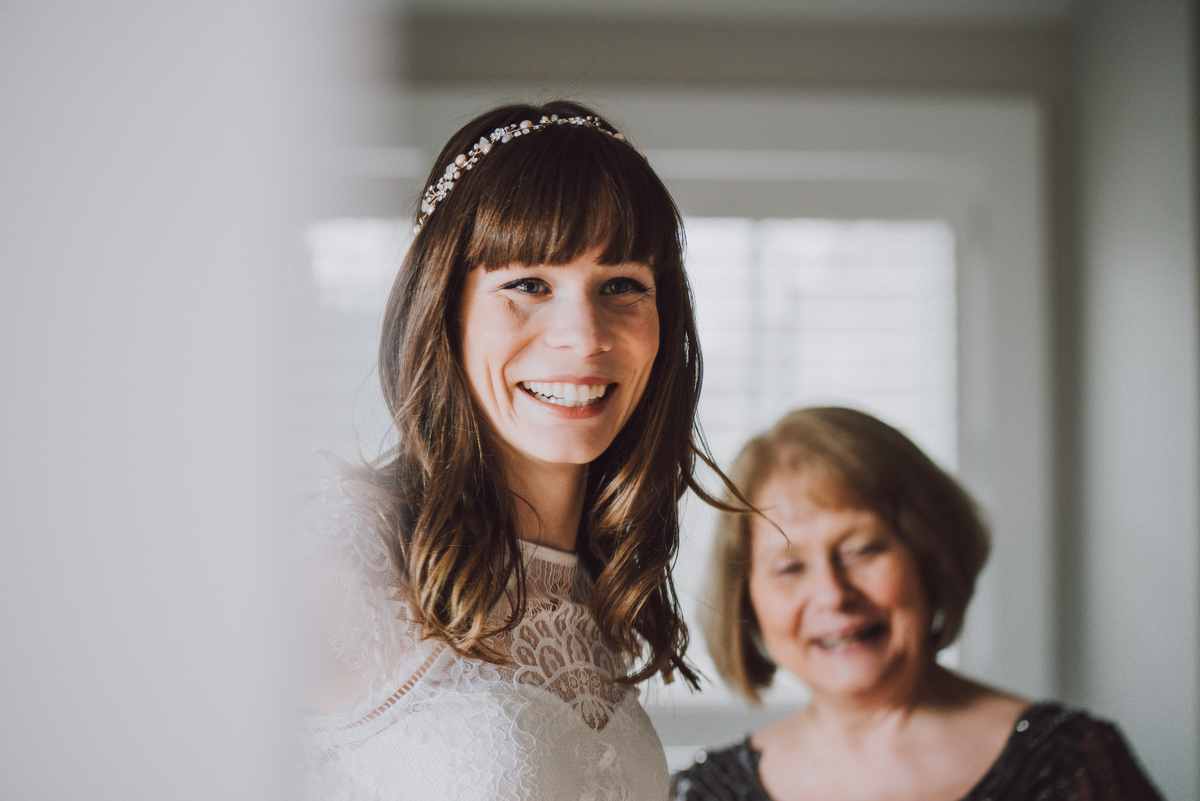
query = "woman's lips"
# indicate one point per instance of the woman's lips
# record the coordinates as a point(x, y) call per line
point(565, 393)
point(852, 636)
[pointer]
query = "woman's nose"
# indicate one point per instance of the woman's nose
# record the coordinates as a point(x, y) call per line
point(830, 587)
point(578, 322)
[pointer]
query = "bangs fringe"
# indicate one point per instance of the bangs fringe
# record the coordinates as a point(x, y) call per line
point(566, 192)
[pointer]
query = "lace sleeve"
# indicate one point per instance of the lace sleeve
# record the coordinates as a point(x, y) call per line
point(373, 627)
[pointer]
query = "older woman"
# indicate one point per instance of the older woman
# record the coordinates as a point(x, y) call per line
point(505, 571)
point(857, 572)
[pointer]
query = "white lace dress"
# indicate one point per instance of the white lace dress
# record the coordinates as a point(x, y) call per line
point(429, 724)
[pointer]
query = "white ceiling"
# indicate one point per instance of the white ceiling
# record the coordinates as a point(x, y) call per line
point(877, 11)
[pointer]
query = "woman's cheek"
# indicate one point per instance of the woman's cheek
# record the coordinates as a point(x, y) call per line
point(774, 604)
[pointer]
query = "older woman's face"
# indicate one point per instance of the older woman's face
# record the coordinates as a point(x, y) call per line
point(558, 356)
point(839, 601)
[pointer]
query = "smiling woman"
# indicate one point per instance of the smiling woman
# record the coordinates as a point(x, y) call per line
point(855, 574)
point(558, 357)
point(504, 572)
point(801, 584)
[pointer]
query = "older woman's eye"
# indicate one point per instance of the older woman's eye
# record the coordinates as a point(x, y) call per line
point(530, 286)
point(791, 567)
point(622, 286)
point(863, 550)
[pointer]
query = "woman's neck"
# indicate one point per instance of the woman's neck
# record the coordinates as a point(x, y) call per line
point(549, 501)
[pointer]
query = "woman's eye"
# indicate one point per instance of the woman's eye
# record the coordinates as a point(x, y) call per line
point(531, 286)
point(622, 286)
point(789, 568)
point(865, 549)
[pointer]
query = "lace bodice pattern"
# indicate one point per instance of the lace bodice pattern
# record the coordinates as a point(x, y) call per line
point(428, 723)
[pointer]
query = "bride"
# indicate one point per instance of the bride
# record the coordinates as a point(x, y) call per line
point(504, 573)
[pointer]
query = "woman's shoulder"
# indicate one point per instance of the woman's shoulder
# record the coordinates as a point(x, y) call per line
point(1052, 729)
point(358, 607)
point(343, 522)
point(726, 774)
point(344, 531)
point(1058, 752)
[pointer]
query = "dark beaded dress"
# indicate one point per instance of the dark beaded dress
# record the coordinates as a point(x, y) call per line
point(1052, 754)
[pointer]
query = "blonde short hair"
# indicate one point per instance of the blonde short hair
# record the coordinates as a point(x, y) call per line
point(869, 465)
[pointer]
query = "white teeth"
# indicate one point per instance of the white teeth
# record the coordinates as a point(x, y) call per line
point(563, 394)
point(839, 640)
point(834, 642)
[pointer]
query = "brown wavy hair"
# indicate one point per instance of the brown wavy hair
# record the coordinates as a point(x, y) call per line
point(545, 198)
point(859, 460)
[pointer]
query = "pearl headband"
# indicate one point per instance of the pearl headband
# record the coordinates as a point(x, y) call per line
point(438, 192)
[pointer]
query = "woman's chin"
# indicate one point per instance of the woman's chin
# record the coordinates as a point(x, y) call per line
point(853, 671)
point(572, 452)
point(847, 684)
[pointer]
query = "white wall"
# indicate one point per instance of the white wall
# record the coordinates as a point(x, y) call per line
point(147, 158)
point(1139, 563)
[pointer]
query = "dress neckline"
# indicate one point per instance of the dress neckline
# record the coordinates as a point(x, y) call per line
point(1038, 716)
point(546, 554)
point(1033, 715)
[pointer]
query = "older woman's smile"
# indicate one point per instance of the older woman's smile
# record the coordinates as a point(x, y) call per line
point(838, 597)
point(869, 633)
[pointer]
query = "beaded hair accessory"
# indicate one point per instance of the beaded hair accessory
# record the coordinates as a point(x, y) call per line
point(438, 192)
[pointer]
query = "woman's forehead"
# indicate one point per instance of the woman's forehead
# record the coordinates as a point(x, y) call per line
point(797, 500)
point(812, 482)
